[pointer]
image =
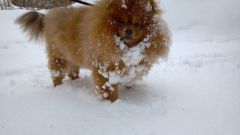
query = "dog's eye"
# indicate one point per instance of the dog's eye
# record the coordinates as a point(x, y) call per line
point(120, 22)
point(138, 25)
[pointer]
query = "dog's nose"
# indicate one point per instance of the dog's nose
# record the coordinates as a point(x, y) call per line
point(128, 33)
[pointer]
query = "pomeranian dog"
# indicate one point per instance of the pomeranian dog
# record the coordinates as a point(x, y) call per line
point(118, 40)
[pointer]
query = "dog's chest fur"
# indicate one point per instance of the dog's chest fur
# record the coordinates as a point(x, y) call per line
point(134, 64)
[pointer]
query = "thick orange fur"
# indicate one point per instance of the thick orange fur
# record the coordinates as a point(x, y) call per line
point(85, 37)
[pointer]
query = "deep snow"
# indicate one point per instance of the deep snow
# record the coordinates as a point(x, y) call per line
point(195, 92)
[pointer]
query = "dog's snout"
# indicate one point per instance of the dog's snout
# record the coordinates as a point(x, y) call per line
point(128, 33)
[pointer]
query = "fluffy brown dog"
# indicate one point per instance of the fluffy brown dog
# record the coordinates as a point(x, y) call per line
point(118, 40)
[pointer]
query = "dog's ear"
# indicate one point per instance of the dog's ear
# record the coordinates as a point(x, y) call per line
point(116, 4)
point(112, 4)
point(151, 6)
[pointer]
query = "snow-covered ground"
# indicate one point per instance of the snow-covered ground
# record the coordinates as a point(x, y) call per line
point(195, 92)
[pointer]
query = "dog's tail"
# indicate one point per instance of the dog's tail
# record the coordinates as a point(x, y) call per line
point(32, 23)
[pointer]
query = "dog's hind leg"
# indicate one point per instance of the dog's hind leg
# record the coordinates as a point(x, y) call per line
point(57, 66)
point(72, 71)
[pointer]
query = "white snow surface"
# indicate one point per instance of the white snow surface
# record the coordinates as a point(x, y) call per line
point(195, 92)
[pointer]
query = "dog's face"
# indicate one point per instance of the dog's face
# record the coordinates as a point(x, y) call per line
point(131, 19)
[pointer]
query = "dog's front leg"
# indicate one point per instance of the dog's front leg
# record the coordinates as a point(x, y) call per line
point(103, 86)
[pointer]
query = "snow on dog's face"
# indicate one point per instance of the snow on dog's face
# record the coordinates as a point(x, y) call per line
point(131, 19)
